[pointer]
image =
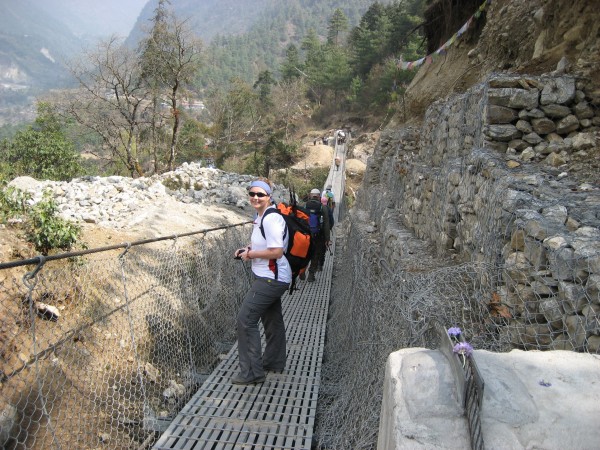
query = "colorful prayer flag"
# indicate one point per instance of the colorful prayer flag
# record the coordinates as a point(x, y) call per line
point(444, 48)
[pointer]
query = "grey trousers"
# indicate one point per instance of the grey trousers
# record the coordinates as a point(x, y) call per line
point(262, 302)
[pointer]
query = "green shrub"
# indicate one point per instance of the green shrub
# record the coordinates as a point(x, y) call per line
point(46, 231)
point(41, 154)
point(255, 164)
point(13, 203)
point(302, 182)
point(175, 182)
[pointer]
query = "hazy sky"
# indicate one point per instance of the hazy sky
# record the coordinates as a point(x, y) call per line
point(96, 17)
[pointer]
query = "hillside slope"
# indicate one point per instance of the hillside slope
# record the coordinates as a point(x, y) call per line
point(244, 38)
point(514, 36)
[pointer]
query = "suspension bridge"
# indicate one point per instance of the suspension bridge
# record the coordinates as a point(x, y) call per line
point(276, 414)
point(133, 345)
point(279, 413)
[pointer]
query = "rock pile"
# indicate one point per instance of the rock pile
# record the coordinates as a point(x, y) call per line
point(113, 201)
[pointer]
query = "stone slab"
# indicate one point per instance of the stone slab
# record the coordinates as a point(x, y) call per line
point(532, 400)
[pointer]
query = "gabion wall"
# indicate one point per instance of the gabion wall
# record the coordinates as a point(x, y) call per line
point(491, 192)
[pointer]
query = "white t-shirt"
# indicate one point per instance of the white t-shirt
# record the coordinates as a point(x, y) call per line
point(274, 227)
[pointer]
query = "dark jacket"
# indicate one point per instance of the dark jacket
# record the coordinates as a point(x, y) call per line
point(326, 227)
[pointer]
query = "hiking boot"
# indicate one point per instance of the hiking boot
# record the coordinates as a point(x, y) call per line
point(319, 268)
point(241, 381)
point(311, 277)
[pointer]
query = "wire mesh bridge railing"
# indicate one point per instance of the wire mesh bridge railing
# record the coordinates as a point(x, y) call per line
point(101, 348)
point(376, 309)
point(97, 347)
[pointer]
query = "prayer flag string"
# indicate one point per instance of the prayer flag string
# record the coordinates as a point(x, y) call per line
point(409, 65)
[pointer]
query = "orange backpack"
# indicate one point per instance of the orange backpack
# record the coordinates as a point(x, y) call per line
point(300, 246)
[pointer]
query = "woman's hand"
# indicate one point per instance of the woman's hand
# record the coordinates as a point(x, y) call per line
point(246, 254)
point(241, 253)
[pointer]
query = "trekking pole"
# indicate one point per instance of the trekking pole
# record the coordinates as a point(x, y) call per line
point(245, 269)
point(247, 273)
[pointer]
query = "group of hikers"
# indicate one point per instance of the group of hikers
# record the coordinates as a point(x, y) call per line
point(339, 137)
point(320, 210)
point(275, 268)
point(272, 276)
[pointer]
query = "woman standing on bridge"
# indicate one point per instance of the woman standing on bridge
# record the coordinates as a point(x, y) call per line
point(271, 278)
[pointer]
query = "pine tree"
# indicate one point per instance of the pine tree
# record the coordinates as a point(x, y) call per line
point(291, 67)
point(337, 25)
point(264, 82)
point(370, 39)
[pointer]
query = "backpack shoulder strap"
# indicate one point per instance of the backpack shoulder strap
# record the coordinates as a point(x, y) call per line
point(267, 211)
point(262, 228)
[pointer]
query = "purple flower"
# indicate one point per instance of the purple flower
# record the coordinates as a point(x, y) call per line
point(463, 348)
point(454, 331)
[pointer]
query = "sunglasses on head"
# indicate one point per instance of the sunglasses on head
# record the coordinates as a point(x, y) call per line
point(257, 194)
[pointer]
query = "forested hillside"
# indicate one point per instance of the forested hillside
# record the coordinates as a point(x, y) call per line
point(243, 38)
point(243, 101)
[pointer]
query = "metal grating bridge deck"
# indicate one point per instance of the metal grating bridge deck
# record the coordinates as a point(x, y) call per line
point(277, 414)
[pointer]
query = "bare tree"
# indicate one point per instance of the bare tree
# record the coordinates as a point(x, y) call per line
point(170, 57)
point(111, 100)
point(288, 98)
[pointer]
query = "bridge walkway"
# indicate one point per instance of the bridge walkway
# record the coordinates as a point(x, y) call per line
point(277, 414)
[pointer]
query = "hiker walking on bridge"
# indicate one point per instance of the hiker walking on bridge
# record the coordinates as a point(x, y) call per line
point(271, 275)
point(338, 161)
point(320, 227)
point(328, 194)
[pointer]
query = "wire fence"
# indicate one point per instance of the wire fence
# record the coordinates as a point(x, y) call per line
point(103, 350)
point(376, 310)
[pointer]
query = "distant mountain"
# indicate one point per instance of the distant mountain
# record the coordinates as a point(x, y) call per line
point(33, 46)
point(234, 17)
point(242, 37)
point(206, 17)
point(38, 36)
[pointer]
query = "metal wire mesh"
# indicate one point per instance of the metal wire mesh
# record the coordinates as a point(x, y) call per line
point(375, 310)
point(130, 338)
